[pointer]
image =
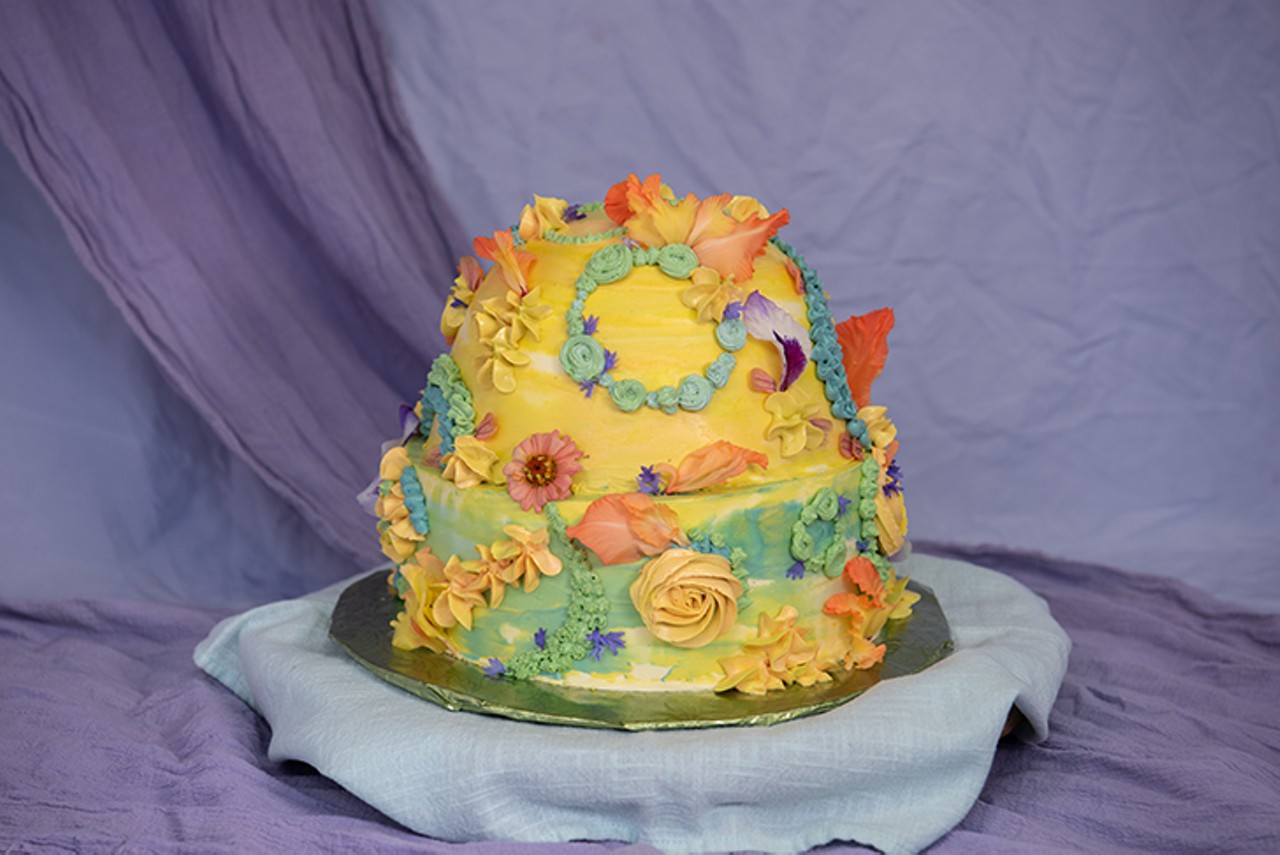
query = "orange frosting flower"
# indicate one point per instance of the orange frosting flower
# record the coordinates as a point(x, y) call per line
point(542, 469)
point(529, 554)
point(463, 593)
point(513, 264)
point(654, 218)
point(624, 527)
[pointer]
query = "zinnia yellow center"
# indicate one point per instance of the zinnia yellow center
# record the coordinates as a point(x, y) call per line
point(540, 470)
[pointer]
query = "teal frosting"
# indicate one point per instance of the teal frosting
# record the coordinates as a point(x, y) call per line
point(677, 260)
point(718, 371)
point(447, 399)
point(629, 395)
point(694, 393)
point(731, 333)
point(609, 264)
point(414, 500)
point(582, 358)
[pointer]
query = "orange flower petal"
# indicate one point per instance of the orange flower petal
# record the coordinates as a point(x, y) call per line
point(863, 574)
point(733, 252)
point(864, 344)
point(712, 465)
point(625, 527)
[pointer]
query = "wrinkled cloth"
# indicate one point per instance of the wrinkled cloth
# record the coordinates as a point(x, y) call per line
point(238, 178)
point(896, 768)
point(1163, 737)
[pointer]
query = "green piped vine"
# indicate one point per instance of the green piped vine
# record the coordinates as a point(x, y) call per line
point(587, 363)
point(824, 506)
point(446, 400)
point(588, 610)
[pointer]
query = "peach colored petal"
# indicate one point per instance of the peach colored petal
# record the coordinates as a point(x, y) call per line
point(514, 264)
point(864, 346)
point(863, 574)
point(624, 527)
point(733, 252)
point(714, 464)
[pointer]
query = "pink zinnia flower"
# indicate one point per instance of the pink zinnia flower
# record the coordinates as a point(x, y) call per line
point(541, 469)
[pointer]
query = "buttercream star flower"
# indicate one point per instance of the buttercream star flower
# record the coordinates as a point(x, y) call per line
point(654, 217)
point(545, 213)
point(497, 367)
point(416, 626)
point(528, 554)
point(542, 469)
point(461, 596)
point(710, 294)
point(497, 572)
point(792, 412)
point(471, 463)
point(513, 264)
point(464, 289)
point(397, 535)
point(519, 314)
point(779, 655)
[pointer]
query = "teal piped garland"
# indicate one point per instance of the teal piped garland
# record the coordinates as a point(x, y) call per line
point(447, 400)
point(588, 610)
point(587, 362)
point(715, 544)
point(823, 505)
point(826, 355)
point(414, 500)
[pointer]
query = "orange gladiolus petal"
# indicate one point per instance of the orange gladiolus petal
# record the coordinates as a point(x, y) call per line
point(625, 527)
point(733, 253)
point(864, 346)
point(712, 465)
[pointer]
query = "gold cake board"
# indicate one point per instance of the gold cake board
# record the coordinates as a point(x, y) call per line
point(361, 625)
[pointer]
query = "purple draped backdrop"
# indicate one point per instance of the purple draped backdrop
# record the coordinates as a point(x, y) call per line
point(249, 278)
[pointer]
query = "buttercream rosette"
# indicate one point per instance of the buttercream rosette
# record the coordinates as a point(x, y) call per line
point(687, 598)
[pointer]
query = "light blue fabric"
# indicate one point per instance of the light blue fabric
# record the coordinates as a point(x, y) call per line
point(895, 768)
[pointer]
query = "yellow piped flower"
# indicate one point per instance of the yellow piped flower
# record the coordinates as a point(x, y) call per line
point(792, 411)
point(779, 655)
point(397, 536)
point(545, 213)
point(710, 294)
point(520, 315)
point(472, 463)
point(464, 290)
point(742, 207)
point(416, 626)
point(879, 427)
point(529, 554)
point(497, 367)
point(497, 573)
point(461, 596)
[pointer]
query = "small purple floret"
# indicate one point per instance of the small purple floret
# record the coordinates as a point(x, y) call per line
point(893, 486)
point(588, 386)
point(611, 641)
point(540, 638)
point(495, 668)
point(455, 303)
point(860, 545)
point(796, 571)
point(589, 324)
point(610, 360)
point(733, 311)
point(650, 481)
point(844, 502)
point(574, 212)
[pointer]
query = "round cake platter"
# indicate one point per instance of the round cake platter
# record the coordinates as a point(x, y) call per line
point(361, 625)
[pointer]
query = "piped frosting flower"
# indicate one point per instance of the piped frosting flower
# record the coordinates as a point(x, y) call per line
point(497, 366)
point(513, 264)
point(868, 605)
point(368, 497)
point(529, 555)
point(710, 294)
point(471, 463)
point(520, 315)
point(416, 626)
point(792, 421)
point(687, 598)
point(398, 537)
point(463, 594)
point(464, 289)
point(545, 213)
point(542, 469)
point(767, 321)
point(779, 655)
point(654, 217)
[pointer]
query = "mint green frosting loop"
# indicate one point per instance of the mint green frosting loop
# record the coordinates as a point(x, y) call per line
point(628, 395)
point(825, 504)
point(665, 398)
point(694, 393)
point(677, 260)
point(867, 509)
point(732, 333)
point(718, 371)
point(582, 358)
point(609, 263)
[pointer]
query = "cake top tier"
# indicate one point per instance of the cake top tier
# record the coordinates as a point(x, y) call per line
point(649, 343)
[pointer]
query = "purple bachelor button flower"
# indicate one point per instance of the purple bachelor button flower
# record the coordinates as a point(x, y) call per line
point(733, 311)
point(540, 638)
point(588, 386)
point(796, 571)
point(589, 324)
point(860, 545)
point(611, 641)
point(495, 668)
point(894, 485)
point(650, 482)
point(610, 360)
point(573, 212)
point(845, 502)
